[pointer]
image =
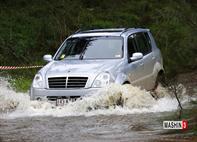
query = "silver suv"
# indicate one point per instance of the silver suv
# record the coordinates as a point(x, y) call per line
point(89, 60)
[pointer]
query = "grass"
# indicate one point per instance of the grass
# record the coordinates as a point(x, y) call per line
point(20, 80)
point(20, 84)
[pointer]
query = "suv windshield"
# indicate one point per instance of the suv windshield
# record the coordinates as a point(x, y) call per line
point(91, 48)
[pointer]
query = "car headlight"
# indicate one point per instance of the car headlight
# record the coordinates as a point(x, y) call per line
point(38, 81)
point(101, 80)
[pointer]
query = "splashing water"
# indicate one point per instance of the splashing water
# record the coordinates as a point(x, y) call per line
point(114, 99)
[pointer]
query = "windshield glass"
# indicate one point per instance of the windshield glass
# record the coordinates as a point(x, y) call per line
point(91, 48)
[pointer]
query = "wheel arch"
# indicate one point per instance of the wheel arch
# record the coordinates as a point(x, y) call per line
point(126, 82)
point(122, 79)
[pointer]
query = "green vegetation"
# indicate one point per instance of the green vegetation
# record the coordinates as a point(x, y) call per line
point(20, 84)
point(30, 29)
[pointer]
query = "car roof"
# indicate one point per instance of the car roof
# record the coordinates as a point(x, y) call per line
point(107, 32)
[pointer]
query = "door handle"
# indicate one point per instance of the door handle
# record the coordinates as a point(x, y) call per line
point(153, 58)
point(141, 64)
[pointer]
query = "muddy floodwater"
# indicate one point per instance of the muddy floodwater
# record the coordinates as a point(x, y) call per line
point(116, 113)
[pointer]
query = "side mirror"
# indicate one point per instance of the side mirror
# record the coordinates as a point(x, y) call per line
point(136, 56)
point(47, 58)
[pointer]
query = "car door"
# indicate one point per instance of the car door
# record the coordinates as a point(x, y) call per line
point(134, 68)
point(144, 46)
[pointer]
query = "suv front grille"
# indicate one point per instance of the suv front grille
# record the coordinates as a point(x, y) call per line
point(67, 82)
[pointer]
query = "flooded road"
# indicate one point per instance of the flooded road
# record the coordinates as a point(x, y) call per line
point(140, 127)
point(117, 113)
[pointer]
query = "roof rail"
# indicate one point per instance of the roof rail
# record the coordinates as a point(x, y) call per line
point(103, 30)
point(126, 29)
point(78, 31)
point(122, 30)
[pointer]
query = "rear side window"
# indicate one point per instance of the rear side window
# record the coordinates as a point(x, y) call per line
point(143, 43)
point(148, 41)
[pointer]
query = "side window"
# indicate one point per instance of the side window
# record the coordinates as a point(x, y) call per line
point(131, 45)
point(142, 43)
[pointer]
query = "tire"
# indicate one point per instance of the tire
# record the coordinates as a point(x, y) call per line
point(159, 80)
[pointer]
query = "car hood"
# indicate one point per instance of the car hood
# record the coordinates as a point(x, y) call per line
point(81, 67)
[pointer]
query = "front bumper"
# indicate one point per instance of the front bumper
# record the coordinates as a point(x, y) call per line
point(43, 94)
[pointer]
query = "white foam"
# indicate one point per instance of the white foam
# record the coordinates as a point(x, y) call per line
point(114, 99)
